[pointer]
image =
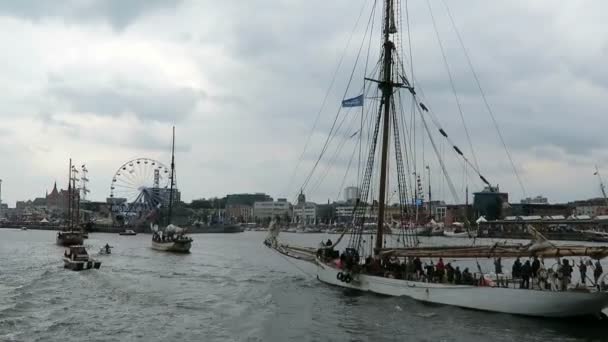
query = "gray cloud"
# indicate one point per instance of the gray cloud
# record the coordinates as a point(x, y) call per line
point(118, 98)
point(117, 13)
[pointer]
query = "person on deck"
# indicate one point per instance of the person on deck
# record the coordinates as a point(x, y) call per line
point(450, 272)
point(526, 272)
point(566, 273)
point(107, 247)
point(498, 265)
point(535, 267)
point(328, 243)
point(418, 268)
point(582, 267)
point(597, 272)
point(440, 270)
point(457, 276)
point(467, 277)
point(430, 271)
point(516, 270)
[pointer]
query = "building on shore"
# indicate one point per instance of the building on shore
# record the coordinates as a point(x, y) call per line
point(535, 200)
point(241, 213)
point(304, 212)
point(272, 209)
point(351, 194)
point(490, 203)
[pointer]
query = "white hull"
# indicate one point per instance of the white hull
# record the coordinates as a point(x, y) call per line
point(457, 235)
point(176, 247)
point(495, 299)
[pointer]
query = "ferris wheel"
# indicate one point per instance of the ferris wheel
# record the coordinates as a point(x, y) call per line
point(142, 185)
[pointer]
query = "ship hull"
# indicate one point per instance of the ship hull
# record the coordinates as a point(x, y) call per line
point(69, 239)
point(218, 229)
point(81, 265)
point(174, 247)
point(553, 304)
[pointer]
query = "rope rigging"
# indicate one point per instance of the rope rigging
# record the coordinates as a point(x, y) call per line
point(326, 96)
point(484, 98)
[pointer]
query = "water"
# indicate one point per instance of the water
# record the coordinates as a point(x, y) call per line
point(230, 288)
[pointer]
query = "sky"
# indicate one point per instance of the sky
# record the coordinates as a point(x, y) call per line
point(103, 81)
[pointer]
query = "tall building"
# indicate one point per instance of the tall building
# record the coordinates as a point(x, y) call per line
point(351, 193)
point(490, 203)
point(247, 199)
point(304, 212)
point(271, 209)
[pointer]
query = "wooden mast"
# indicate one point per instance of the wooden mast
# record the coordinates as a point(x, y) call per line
point(386, 86)
point(172, 177)
point(70, 195)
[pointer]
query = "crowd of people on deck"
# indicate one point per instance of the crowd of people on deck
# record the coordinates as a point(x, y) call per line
point(531, 274)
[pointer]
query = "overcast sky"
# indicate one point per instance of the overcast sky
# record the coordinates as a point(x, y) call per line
point(103, 81)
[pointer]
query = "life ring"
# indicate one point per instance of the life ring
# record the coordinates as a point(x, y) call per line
point(340, 276)
point(347, 278)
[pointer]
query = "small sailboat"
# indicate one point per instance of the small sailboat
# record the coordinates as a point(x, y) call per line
point(380, 268)
point(172, 238)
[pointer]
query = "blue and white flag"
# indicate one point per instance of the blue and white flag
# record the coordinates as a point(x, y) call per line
point(353, 102)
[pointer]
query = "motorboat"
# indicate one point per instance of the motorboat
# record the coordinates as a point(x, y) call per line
point(76, 258)
point(128, 232)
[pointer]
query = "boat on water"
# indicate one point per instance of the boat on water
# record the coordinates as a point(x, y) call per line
point(69, 238)
point(172, 238)
point(23, 228)
point(372, 265)
point(216, 228)
point(459, 233)
point(71, 234)
point(437, 231)
point(128, 232)
point(76, 258)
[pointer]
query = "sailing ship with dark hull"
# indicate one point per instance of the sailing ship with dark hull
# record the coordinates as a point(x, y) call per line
point(387, 270)
point(172, 238)
point(71, 234)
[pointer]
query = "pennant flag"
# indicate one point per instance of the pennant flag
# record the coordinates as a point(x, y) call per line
point(353, 102)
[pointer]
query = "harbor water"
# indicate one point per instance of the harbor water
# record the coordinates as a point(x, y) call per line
point(230, 288)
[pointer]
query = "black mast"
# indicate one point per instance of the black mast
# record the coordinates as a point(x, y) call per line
point(386, 86)
point(428, 168)
point(172, 177)
point(70, 195)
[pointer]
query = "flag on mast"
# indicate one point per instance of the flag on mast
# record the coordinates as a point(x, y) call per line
point(353, 102)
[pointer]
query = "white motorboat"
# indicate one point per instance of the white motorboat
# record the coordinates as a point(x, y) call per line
point(128, 232)
point(76, 258)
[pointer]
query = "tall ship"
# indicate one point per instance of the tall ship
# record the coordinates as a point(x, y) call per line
point(171, 238)
point(71, 234)
point(395, 265)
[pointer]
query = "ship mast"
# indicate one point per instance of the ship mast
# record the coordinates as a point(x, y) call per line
point(386, 86)
point(602, 186)
point(172, 177)
point(70, 195)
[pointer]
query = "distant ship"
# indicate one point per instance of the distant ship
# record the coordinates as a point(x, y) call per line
point(216, 228)
point(172, 238)
point(71, 234)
